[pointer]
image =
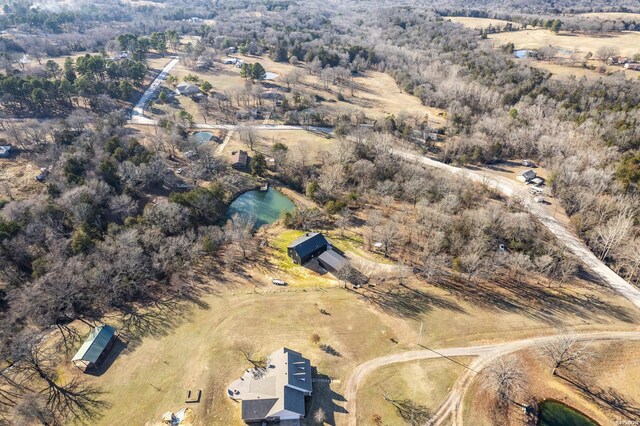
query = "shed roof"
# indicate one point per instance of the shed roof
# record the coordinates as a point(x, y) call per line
point(95, 344)
point(333, 259)
point(240, 157)
point(308, 243)
point(529, 174)
point(5, 149)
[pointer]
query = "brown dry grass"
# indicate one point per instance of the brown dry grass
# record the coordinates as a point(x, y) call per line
point(627, 42)
point(376, 94)
point(197, 352)
point(304, 142)
point(478, 23)
point(426, 382)
point(614, 366)
point(17, 179)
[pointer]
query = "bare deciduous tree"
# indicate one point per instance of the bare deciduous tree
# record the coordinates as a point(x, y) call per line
point(566, 353)
point(505, 380)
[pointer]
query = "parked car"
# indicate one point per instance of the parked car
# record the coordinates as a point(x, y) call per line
point(278, 282)
point(528, 163)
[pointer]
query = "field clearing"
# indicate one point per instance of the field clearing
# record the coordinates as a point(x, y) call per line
point(564, 72)
point(17, 179)
point(627, 42)
point(303, 142)
point(612, 15)
point(613, 366)
point(426, 382)
point(478, 23)
point(376, 94)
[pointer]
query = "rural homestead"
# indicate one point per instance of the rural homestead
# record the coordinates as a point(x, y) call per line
point(311, 213)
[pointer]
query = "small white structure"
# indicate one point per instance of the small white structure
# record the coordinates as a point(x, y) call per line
point(5, 151)
point(230, 61)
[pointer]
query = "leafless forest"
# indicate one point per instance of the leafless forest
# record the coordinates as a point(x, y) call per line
point(95, 241)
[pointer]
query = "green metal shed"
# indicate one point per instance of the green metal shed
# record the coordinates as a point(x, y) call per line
point(98, 343)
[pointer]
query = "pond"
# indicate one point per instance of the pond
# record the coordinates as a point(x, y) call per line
point(202, 137)
point(265, 207)
point(522, 53)
point(553, 413)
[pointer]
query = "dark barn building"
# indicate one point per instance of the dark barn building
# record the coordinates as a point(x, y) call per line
point(308, 246)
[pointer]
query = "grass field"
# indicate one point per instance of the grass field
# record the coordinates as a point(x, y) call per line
point(612, 15)
point(17, 179)
point(192, 347)
point(564, 71)
point(426, 382)
point(613, 366)
point(306, 143)
point(627, 42)
point(376, 94)
point(478, 23)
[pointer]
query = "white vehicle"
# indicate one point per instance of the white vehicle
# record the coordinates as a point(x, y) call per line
point(278, 282)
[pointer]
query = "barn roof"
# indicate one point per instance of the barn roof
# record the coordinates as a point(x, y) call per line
point(95, 344)
point(308, 243)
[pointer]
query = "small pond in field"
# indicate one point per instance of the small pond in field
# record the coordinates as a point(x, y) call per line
point(553, 413)
point(265, 207)
point(523, 53)
point(202, 137)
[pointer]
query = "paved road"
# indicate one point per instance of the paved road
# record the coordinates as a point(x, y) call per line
point(485, 353)
point(557, 228)
point(137, 114)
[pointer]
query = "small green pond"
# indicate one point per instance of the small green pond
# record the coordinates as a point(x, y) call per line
point(264, 207)
point(202, 137)
point(553, 413)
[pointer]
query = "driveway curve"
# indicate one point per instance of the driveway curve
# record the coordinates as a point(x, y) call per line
point(557, 228)
point(485, 353)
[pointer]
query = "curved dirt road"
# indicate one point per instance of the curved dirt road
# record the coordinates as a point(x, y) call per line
point(561, 232)
point(485, 353)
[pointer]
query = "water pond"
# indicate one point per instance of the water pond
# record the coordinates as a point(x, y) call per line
point(522, 53)
point(553, 413)
point(265, 207)
point(202, 137)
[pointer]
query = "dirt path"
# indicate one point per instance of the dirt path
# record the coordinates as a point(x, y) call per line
point(485, 353)
point(555, 226)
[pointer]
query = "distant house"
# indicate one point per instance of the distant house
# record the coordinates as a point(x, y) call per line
point(5, 151)
point(232, 50)
point(239, 160)
point(527, 176)
point(307, 247)
point(187, 89)
point(278, 394)
point(95, 348)
point(634, 66)
point(271, 163)
point(230, 61)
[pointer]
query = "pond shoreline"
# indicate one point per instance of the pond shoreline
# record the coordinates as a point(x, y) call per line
point(555, 401)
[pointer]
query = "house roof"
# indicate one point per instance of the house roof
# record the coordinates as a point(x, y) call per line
point(257, 408)
point(187, 89)
point(308, 243)
point(5, 149)
point(95, 344)
point(286, 381)
point(529, 174)
point(333, 259)
point(239, 157)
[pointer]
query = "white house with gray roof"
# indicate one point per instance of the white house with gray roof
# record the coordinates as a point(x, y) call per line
point(276, 393)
